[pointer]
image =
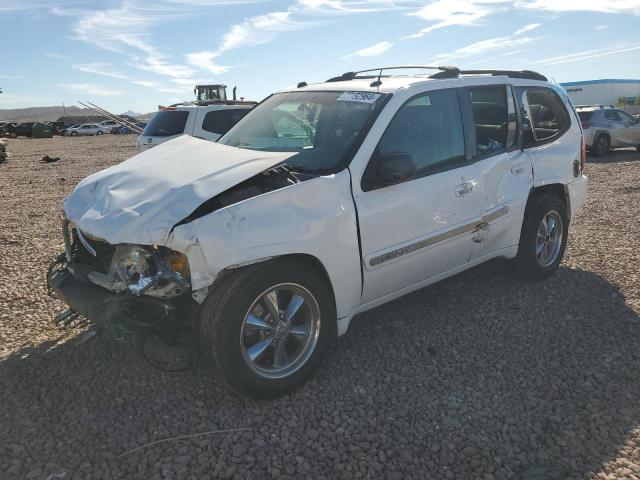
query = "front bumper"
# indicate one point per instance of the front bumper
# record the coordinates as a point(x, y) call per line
point(118, 312)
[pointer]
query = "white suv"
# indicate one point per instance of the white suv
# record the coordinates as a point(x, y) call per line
point(208, 122)
point(325, 201)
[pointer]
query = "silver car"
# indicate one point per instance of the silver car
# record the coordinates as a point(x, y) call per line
point(606, 127)
point(85, 129)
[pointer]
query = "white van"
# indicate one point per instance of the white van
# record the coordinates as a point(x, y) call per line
point(208, 122)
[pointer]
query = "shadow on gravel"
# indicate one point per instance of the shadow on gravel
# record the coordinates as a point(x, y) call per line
point(480, 376)
point(616, 156)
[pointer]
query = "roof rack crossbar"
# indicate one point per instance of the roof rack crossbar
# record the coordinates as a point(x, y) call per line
point(353, 75)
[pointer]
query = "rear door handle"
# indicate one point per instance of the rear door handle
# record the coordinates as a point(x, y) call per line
point(465, 188)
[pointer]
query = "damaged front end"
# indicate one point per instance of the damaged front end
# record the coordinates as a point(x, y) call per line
point(123, 288)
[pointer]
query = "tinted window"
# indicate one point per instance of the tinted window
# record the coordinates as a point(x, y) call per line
point(166, 123)
point(236, 115)
point(429, 128)
point(585, 116)
point(490, 118)
point(612, 115)
point(549, 116)
point(216, 122)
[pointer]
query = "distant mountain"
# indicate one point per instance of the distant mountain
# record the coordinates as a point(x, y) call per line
point(131, 113)
point(50, 114)
point(42, 114)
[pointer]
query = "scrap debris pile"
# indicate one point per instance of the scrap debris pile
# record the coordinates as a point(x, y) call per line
point(3, 152)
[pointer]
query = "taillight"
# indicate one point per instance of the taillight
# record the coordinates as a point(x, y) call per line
point(583, 155)
point(586, 125)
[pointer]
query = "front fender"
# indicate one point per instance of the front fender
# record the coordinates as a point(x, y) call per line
point(316, 217)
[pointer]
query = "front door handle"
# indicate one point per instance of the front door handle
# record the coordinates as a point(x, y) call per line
point(465, 188)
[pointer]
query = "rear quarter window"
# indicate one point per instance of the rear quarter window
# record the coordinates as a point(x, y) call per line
point(585, 116)
point(547, 116)
point(166, 123)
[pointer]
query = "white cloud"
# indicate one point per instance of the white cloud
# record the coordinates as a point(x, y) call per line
point(484, 46)
point(372, 51)
point(447, 13)
point(92, 89)
point(10, 77)
point(527, 28)
point(602, 27)
point(587, 54)
point(258, 30)
point(603, 6)
point(205, 61)
point(104, 69)
point(56, 56)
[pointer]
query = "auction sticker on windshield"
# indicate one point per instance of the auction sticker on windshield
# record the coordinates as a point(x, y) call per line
point(362, 97)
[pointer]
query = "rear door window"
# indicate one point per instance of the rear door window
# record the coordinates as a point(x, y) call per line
point(166, 123)
point(494, 118)
point(612, 115)
point(216, 121)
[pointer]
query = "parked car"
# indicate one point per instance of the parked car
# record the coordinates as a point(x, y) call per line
point(208, 122)
point(120, 130)
point(108, 125)
point(58, 127)
point(85, 129)
point(65, 131)
point(323, 202)
point(607, 127)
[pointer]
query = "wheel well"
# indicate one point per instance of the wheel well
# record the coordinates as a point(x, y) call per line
point(558, 190)
point(303, 257)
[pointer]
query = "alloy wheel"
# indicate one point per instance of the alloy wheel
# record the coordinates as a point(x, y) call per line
point(549, 239)
point(280, 331)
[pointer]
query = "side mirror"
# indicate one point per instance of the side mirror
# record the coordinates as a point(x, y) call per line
point(394, 167)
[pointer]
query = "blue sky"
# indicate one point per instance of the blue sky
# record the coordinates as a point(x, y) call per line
point(135, 55)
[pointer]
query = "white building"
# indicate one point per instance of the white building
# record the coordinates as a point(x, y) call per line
point(620, 93)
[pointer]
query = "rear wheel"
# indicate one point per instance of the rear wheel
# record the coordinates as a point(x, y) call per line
point(601, 145)
point(543, 238)
point(268, 326)
point(99, 132)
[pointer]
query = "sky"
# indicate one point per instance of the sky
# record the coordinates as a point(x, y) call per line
point(135, 55)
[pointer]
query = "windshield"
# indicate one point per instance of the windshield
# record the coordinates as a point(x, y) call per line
point(321, 126)
point(166, 123)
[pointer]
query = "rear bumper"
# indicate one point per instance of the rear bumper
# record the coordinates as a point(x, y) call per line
point(116, 311)
point(577, 191)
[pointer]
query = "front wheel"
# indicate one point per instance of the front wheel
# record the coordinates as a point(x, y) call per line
point(543, 238)
point(74, 134)
point(99, 132)
point(268, 326)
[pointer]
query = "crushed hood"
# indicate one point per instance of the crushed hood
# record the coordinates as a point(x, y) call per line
point(141, 199)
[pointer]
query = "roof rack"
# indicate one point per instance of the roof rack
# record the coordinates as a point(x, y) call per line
point(353, 75)
point(443, 72)
point(596, 105)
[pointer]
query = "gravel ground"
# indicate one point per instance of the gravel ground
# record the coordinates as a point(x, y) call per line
point(481, 376)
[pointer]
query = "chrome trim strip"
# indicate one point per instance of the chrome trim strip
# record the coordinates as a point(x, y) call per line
point(454, 232)
point(86, 244)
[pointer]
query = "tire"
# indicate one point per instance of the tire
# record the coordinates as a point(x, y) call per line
point(531, 262)
point(99, 132)
point(74, 134)
point(601, 145)
point(230, 338)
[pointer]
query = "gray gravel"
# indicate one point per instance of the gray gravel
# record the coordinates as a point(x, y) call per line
point(481, 376)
